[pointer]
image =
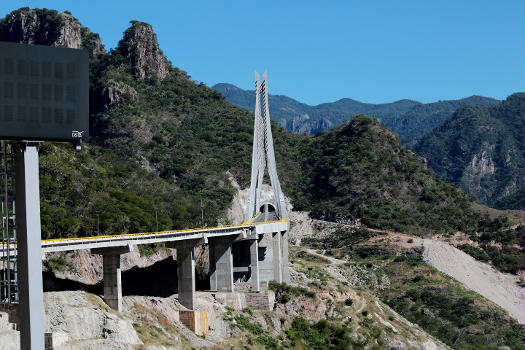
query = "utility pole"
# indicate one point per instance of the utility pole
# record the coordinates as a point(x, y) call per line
point(202, 212)
point(98, 223)
point(157, 219)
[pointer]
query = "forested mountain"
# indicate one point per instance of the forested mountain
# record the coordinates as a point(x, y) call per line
point(160, 142)
point(407, 118)
point(481, 149)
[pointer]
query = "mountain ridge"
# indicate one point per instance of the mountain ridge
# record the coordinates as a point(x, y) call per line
point(406, 117)
point(481, 149)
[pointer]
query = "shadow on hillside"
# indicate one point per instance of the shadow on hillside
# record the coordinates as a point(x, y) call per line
point(157, 280)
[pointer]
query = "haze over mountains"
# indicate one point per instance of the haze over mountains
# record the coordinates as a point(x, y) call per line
point(407, 118)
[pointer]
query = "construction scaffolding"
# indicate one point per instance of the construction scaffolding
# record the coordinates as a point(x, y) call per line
point(8, 249)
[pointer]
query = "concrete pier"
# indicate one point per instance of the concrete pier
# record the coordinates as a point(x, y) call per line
point(112, 274)
point(186, 275)
point(284, 254)
point(221, 264)
point(265, 252)
point(277, 257)
point(254, 265)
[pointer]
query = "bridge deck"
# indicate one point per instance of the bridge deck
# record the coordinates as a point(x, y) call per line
point(63, 244)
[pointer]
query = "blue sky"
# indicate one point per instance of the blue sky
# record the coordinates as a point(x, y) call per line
point(320, 51)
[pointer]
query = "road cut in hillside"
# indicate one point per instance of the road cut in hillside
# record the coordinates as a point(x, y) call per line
point(480, 277)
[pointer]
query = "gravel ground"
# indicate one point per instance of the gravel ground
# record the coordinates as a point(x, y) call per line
point(480, 277)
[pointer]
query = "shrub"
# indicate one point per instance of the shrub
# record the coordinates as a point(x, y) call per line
point(283, 291)
point(58, 263)
point(318, 336)
point(349, 302)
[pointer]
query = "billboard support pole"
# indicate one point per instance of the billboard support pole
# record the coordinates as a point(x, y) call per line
point(30, 247)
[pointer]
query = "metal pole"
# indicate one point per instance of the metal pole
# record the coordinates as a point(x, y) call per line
point(30, 249)
point(157, 220)
point(202, 213)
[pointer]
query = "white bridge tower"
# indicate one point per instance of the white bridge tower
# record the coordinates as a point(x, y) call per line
point(263, 156)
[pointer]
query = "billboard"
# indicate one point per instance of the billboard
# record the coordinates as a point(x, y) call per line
point(44, 93)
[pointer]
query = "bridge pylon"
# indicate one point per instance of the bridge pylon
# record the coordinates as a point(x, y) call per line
point(263, 156)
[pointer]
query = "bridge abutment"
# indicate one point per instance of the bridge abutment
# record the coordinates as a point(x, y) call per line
point(112, 274)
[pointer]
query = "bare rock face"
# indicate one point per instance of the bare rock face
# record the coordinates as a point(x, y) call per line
point(237, 212)
point(140, 47)
point(48, 27)
point(302, 124)
point(118, 93)
point(81, 317)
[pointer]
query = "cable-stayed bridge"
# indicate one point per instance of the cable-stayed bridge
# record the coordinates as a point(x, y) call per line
point(257, 248)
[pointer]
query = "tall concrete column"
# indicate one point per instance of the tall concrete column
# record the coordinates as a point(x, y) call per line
point(186, 275)
point(221, 263)
point(112, 281)
point(277, 257)
point(29, 247)
point(284, 254)
point(254, 264)
point(112, 274)
point(212, 267)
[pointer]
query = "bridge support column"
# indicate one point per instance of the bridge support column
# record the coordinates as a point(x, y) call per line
point(186, 274)
point(29, 247)
point(221, 264)
point(284, 254)
point(277, 257)
point(254, 264)
point(112, 274)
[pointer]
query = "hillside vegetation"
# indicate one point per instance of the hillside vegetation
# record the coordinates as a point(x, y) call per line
point(360, 170)
point(394, 269)
point(481, 150)
point(160, 142)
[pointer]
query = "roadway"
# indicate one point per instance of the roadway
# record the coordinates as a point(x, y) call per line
point(246, 230)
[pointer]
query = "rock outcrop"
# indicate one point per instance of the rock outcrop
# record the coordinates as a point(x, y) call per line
point(141, 49)
point(303, 124)
point(118, 93)
point(48, 27)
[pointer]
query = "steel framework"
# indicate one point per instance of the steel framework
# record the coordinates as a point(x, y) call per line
point(8, 249)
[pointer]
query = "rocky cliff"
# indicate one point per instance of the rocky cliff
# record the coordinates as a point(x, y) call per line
point(48, 27)
point(141, 49)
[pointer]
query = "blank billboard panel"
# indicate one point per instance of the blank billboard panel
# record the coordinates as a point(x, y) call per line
point(44, 92)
